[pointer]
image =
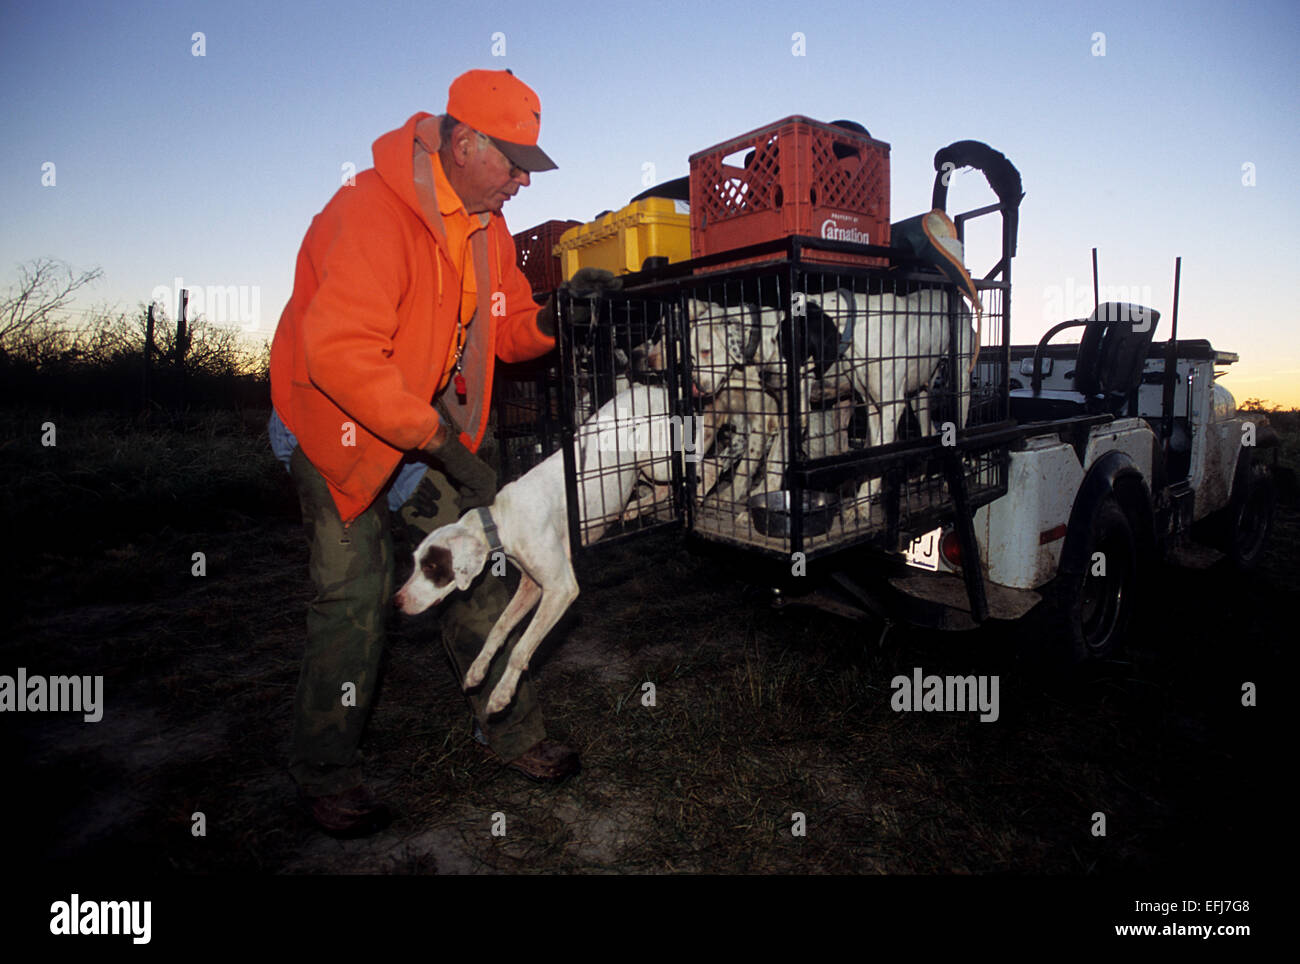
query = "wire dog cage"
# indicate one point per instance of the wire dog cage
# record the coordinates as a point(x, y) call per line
point(623, 427)
point(801, 406)
point(527, 415)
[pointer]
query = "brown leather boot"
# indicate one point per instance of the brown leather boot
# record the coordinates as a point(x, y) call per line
point(547, 761)
point(352, 813)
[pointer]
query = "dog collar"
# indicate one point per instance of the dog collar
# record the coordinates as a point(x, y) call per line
point(489, 528)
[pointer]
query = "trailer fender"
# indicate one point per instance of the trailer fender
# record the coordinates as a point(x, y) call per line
point(1239, 528)
point(1087, 611)
point(1112, 474)
point(1265, 440)
point(1241, 474)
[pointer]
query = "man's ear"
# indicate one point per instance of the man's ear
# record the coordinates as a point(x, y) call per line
point(458, 145)
point(468, 555)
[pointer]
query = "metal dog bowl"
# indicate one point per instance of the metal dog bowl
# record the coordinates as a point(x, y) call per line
point(771, 512)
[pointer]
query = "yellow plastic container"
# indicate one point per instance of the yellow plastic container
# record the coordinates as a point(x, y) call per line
point(622, 240)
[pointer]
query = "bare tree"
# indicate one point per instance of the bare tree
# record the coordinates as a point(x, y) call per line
point(31, 311)
point(104, 338)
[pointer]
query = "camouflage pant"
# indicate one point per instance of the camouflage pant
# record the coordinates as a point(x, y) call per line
point(353, 572)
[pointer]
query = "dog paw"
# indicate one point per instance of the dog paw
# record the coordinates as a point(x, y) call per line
point(477, 670)
point(500, 699)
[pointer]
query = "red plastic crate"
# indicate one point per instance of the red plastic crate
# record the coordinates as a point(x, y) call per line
point(805, 177)
point(534, 250)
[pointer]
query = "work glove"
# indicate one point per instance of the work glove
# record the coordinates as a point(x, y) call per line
point(472, 477)
point(586, 285)
point(590, 281)
point(546, 319)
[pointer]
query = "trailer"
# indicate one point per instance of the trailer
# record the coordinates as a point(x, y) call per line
point(857, 412)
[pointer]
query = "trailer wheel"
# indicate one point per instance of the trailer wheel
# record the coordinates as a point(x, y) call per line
point(1085, 615)
point(1250, 519)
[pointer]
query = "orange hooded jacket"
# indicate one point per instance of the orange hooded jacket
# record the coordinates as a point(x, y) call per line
point(363, 343)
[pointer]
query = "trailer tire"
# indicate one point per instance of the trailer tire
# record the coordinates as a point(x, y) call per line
point(1084, 615)
point(1250, 519)
point(1240, 529)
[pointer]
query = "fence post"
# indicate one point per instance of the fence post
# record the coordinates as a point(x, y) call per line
point(148, 355)
point(182, 348)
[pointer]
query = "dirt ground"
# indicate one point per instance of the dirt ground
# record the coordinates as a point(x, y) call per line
point(759, 716)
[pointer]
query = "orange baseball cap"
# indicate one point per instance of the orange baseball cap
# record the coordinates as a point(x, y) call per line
point(500, 105)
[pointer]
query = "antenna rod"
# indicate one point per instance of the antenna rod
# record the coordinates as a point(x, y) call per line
point(1178, 271)
point(1096, 298)
point(1171, 361)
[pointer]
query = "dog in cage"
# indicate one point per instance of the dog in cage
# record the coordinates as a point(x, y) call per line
point(629, 438)
point(616, 344)
point(736, 371)
point(902, 346)
point(737, 428)
point(885, 348)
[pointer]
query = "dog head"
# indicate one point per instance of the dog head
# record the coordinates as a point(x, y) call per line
point(448, 559)
point(717, 343)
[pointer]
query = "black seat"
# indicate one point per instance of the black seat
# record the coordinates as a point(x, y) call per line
point(1107, 369)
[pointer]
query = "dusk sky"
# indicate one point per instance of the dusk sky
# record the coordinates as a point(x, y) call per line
point(1149, 130)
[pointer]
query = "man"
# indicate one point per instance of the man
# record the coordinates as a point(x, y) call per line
point(405, 289)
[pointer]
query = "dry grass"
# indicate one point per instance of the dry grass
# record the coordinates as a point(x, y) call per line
point(757, 715)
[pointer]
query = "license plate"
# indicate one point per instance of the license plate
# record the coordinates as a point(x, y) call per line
point(923, 551)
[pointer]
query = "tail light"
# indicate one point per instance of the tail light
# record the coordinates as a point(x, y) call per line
point(950, 548)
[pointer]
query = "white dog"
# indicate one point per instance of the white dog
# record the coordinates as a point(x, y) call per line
point(753, 417)
point(896, 355)
point(630, 435)
point(893, 353)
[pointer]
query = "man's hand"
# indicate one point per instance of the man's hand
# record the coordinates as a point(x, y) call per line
point(586, 285)
point(590, 281)
point(546, 319)
point(472, 476)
